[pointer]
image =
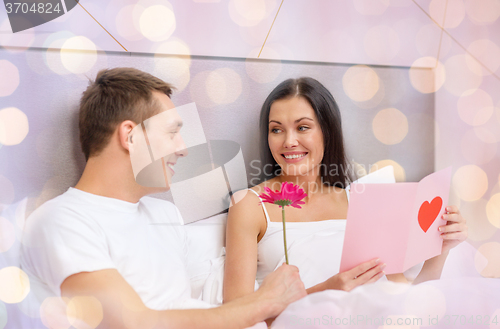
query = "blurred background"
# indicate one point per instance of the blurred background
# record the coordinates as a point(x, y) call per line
point(417, 82)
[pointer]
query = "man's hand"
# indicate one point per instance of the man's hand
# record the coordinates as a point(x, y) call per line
point(281, 288)
point(122, 308)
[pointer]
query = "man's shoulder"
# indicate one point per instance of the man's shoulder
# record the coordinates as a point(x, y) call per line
point(63, 208)
point(157, 206)
point(60, 203)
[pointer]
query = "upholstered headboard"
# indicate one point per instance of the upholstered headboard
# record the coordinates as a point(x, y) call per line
point(384, 117)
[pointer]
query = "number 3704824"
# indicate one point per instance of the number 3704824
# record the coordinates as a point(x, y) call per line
point(25, 8)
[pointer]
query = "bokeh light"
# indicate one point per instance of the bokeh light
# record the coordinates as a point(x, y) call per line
point(459, 78)
point(483, 11)
point(390, 126)
point(428, 41)
point(427, 301)
point(4, 317)
point(475, 150)
point(84, 312)
point(379, 96)
point(53, 313)
point(493, 210)
point(381, 43)
point(53, 58)
point(9, 78)
point(157, 23)
point(475, 107)
point(360, 83)
point(7, 235)
point(478, 226)
point(371, 7)
point(470, 182)
point(486, 135)
point(14, 285)
point(173, 69)
point(14, 126)
point(198, 90)
point(399, 172)
point(78, 54)
point(223, 86)
point(249, 12)
point(21, 41)
point(262, 71)
point(490, 251)
point(486, 52)
point(424, 79)
point(454, 198)
point(455, 12)
point(127, 14)
point(174, 46)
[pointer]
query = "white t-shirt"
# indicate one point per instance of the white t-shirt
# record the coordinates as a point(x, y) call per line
point(82, 232)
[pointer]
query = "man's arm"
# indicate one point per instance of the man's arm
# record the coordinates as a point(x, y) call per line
point(123, 308)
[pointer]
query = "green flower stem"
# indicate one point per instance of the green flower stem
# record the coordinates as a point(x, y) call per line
point(284, 234)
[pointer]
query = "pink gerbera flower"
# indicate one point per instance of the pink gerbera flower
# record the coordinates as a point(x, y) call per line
point(290, 195)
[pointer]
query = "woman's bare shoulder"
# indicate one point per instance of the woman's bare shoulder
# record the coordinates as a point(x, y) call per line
point(246, 202)
point(272, 183)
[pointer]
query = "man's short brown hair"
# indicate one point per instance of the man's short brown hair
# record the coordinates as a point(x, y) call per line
point(116, 95)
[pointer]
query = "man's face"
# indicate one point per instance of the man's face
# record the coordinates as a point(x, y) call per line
point(164, 142)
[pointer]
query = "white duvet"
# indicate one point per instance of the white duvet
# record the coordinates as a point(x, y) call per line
point(447, 303)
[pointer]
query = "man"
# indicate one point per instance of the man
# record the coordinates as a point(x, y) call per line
point(96, 239)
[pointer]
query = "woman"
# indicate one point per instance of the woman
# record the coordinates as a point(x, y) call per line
point(302, 143)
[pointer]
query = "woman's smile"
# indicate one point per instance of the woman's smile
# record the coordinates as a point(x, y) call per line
point(293, 157)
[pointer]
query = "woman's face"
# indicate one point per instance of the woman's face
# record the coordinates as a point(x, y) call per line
point(295, 137)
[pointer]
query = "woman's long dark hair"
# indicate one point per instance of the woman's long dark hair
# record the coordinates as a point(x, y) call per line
point(334, 169)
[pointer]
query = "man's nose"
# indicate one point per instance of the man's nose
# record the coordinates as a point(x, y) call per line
point(181, 149)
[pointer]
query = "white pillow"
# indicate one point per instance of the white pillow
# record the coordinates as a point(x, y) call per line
point(205, 244)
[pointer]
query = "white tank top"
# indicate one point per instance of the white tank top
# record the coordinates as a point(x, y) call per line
point(314, 247)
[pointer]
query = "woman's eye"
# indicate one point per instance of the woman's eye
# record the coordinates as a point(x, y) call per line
point(303, 128)
point(275, 130)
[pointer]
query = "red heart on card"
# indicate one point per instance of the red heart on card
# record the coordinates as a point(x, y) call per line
point(428, 213)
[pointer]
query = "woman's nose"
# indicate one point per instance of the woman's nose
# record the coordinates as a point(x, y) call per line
point(290, 140)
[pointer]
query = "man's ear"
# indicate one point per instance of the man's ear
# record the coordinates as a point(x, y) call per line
point(125, 133)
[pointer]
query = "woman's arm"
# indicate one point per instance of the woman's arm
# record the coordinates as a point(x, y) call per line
point(367, 272)
point(244, 223)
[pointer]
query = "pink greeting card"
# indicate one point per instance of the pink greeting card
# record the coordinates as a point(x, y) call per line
point(397, 223)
